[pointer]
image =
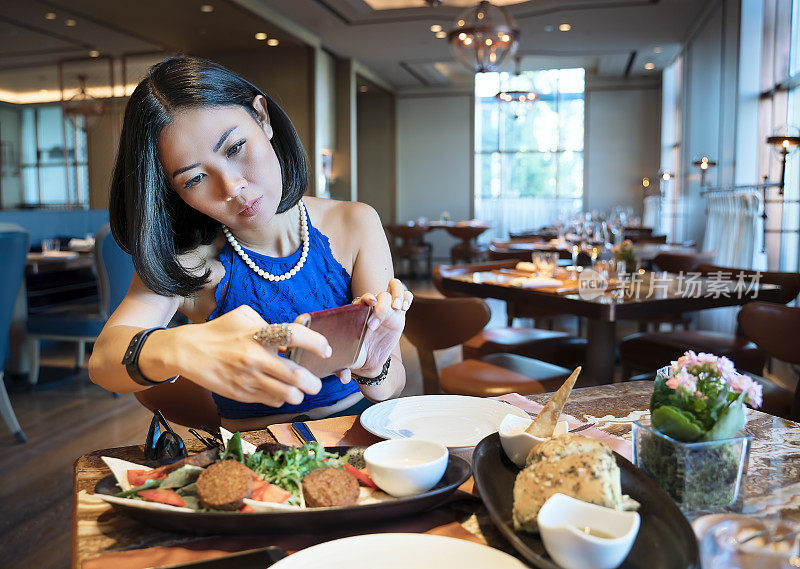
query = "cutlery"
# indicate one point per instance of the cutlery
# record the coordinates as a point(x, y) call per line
point(303, 433)
point(575, 430)
point(582, 427)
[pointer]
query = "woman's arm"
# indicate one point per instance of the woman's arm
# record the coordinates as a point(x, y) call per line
point(220, 355)
point(373, 281)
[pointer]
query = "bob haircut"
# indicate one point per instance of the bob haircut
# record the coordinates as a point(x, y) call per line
point(148, 218)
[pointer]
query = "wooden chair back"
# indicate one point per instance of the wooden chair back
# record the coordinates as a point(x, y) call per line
point(774, 329)
point(682, 262)
point(182, 402)
point(789, 282)
point(439, 323)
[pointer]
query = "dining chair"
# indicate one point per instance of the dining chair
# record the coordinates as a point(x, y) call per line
point(412, 246)
point(80, 323)
point(775, 329)
point(439, 323)
point(649, 351)
point(182, 402)
point(13, 250)
point(675, 263)
point(548, 345)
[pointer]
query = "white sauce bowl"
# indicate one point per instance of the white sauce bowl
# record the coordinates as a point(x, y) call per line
point(404, 467)
point(517, 443)
point(561, 520)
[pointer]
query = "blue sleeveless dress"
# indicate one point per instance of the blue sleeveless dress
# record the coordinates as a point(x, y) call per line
point(321, 283)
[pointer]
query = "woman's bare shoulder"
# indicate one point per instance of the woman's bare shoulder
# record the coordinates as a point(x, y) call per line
point(339, 214)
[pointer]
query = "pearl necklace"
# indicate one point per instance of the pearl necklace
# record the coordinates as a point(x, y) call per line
point(261, 272)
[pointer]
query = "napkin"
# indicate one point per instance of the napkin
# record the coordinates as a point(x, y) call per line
point(336, 431)
point(619, 444)
point(535, 282)
point(76, 244)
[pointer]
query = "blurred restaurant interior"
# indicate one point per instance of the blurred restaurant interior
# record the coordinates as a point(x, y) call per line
point(624, 137)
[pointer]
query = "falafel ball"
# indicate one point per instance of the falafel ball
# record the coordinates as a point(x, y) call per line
point(330, 487)
point(224, 485)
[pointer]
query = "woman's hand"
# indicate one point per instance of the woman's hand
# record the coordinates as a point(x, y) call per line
point(384, 328)
point(222, 356)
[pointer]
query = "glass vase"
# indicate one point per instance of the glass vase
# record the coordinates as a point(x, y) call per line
point(699, 477)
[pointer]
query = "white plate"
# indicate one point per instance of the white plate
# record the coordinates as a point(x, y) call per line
point(399, 551)
point(456, 421)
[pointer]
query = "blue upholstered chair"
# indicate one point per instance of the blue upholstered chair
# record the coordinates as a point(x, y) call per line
point(13, 249)
point(114, 270)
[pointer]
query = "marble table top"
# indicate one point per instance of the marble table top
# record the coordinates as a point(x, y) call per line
point(772, 484)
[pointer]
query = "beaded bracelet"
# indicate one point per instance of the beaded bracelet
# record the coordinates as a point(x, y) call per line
point(374, 380)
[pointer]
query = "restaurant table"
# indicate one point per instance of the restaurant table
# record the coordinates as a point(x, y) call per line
point(605, 310)
point(467, 232)
point(102, 537)
point(37, 263)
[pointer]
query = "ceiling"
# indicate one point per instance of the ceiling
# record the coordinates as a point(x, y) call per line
point(141, 31)
point(613, 38)
point(392, 38)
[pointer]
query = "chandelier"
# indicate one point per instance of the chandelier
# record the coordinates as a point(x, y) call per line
point(483, 36)
point(83, 111)
point(520, 98)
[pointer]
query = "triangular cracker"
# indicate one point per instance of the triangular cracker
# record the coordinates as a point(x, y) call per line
point(545, 423)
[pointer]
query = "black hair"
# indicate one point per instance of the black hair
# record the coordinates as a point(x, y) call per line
point(148, 218)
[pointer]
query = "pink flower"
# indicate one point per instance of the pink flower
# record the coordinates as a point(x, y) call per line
point(752, 390)
point(683, 381)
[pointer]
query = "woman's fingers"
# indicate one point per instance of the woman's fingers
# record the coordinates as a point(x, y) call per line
point(396, 289)
point(345, 376)
point(381, 311)
point(408, 298)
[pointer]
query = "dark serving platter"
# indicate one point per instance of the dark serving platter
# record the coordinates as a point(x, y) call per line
point(665, 540)
point(305, 521)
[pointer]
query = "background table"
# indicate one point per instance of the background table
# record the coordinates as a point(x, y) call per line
point(602, 312)
point(102, 535)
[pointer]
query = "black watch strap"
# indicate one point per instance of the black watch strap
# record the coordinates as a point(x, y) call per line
point(131, 358)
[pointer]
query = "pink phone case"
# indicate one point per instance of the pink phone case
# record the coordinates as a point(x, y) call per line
point(344, 327)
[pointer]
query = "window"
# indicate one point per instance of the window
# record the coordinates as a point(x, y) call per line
point(54, 158)
point(528, 158)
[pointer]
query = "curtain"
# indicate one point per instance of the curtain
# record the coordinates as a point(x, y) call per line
point(732, 222)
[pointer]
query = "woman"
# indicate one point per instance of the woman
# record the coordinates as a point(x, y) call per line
point(206, 196)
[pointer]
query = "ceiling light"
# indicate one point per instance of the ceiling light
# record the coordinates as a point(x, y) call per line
point(50, 16)
point(272, 42)
point(565, 27)
point(71, 23)
point(94, 53)
point(649, 65)
point(363, 89)
point(657, 49)
point(207, 8)
point(441, 35)
point(436, 28)
point(471, 37)
point(261, 36)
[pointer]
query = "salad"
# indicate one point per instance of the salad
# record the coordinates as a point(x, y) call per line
point(232, 480)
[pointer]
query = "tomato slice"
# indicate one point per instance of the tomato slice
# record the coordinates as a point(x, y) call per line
point(361, 475)
point(139, 477)
point(167, 496)
point(263, 491)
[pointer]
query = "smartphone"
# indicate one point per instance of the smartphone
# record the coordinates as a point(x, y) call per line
point(344, 328)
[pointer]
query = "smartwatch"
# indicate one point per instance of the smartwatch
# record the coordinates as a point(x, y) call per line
point(131, 359)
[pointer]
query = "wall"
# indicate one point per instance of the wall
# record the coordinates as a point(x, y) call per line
point(375, 142)
point(622, 126)
point(709, 105)
point(434, 161)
